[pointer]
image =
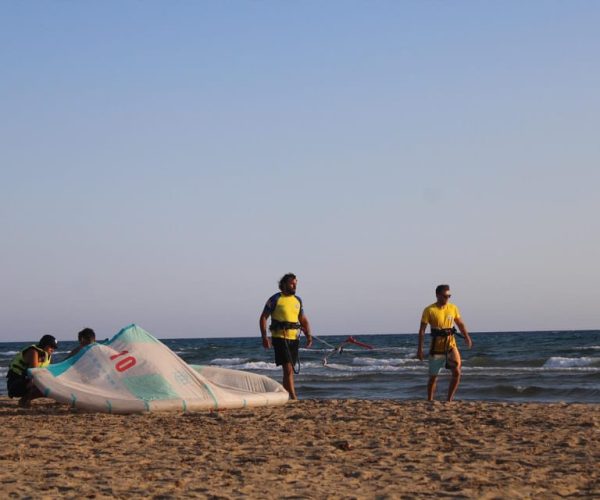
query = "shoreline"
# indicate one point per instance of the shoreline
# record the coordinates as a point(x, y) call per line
point(309, 449)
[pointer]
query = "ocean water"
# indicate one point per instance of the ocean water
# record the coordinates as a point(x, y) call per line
point(502, 366)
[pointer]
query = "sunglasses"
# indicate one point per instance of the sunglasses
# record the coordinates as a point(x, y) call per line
point(447, 296)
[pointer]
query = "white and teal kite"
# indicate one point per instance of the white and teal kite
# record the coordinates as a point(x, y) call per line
point(134, 372)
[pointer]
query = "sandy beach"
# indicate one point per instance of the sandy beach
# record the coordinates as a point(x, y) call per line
point(310, 449)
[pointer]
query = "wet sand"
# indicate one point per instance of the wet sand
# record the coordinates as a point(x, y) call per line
point(310, 449)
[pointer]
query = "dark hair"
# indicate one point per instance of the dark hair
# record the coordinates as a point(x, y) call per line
point(86, 334)
point(285, 278)
point(441, 289)
point(48, 341)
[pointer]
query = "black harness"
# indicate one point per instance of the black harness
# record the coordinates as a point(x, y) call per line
point(443, 332)
point(446, 333)
point(283, 325)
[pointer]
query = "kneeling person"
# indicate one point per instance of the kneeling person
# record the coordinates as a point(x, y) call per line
point(38, 355)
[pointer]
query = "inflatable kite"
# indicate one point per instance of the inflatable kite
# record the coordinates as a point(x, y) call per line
point(134, 372)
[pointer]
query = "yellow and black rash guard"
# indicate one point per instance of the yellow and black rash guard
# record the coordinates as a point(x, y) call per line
point(284, 309)
point(19, 366)
point(441, 318)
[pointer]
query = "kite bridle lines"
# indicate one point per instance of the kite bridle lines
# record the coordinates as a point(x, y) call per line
point(340, 347)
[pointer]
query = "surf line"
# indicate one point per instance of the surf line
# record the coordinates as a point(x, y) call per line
point(340, 347)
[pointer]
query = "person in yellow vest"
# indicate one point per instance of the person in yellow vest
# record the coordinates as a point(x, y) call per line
point(287, 320)
point(38, 355)
point(441, 316)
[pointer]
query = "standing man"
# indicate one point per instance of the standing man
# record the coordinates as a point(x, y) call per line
point(442, 316)
point(18, 382)
point(287, 319)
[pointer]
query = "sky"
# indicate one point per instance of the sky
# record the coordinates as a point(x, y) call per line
point(165, 163)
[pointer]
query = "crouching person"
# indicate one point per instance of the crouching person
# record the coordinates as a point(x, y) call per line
point(18, 383)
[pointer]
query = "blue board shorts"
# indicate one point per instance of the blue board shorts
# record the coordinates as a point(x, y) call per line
point(436, 363)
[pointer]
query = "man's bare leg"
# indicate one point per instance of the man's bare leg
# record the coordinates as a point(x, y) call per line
point(288, 379)
point(431, 388)
point(32, 393)
point(455, 363)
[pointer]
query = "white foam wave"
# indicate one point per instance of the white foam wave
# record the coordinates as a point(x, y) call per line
point(251, 365)
point(371, 368)
point(591, 348)
point(383, 362)
point(498, 371)
point(14, 353)
point(228, 361)
point(558, 362)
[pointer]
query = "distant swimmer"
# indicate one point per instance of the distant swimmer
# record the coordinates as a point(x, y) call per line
point(287, 320)
point(442, 316)
point(18, 383)
point(85, 337)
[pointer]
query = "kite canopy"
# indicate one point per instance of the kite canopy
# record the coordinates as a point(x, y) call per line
point(134, 372)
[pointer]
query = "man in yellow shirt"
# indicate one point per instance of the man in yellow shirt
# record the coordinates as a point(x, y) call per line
point(287, 320)
point(442, 316)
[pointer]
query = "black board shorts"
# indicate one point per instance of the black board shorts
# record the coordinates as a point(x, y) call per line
point(16, 385)
point(286, 351)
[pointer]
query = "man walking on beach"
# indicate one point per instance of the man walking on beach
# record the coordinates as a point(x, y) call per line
point(442, 316)
point(287, 319)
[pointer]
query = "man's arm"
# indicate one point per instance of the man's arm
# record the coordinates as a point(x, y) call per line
point(262, 323)
point(306, 328)
point(32, 358)
point(73, 352)
point(422, 328)
point(463, 329)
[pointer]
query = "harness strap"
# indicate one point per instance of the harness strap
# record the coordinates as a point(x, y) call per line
point(283, 325)
point(443, 332)
point(447, 334)
point(296, 366)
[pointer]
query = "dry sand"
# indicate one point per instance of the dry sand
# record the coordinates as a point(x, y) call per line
point(311, 449)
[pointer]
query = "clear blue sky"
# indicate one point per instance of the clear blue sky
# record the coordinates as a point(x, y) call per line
point(164, 163)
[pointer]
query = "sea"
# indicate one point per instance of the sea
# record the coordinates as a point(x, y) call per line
point(549, 366)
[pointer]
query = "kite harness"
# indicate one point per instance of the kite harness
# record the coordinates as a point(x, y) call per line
point(441, 342)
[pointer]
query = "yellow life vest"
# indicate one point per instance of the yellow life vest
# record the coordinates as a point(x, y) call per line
point(20, 366)
point(285, 311)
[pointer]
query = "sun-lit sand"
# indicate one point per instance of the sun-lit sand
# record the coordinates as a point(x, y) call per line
point(311, 449)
